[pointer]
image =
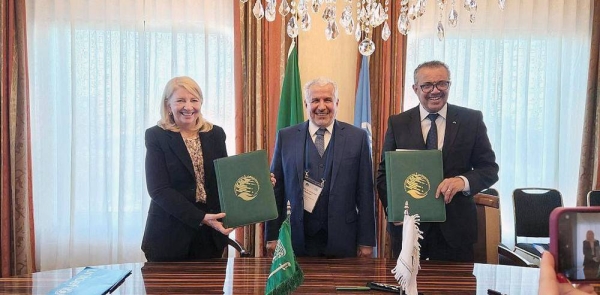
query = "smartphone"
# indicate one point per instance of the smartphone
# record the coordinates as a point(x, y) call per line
point(574, 242)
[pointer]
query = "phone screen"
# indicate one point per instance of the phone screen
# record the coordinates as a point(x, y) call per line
point(578, 245)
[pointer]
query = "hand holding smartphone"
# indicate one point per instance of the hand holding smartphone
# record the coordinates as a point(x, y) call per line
point(574, 242)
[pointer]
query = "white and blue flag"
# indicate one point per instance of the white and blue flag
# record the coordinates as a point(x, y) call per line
point(362, 107)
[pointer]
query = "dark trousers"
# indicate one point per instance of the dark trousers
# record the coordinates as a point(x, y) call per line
point(433, 245)
point(590, 268)
point(395, 239)
point(316, 245)
point(202, 246)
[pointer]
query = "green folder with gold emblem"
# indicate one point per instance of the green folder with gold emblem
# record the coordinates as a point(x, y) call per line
point(245, 190)
point(413, 176)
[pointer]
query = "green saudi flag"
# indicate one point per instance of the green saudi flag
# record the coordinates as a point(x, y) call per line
point(285, 275)
point(290, 102)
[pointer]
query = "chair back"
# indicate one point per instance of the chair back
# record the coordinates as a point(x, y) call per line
point(532, 208)
point(593, 198)
point(485, 250)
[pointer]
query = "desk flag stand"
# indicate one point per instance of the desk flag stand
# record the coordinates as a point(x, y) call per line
point(408, 265)
point(285, 275)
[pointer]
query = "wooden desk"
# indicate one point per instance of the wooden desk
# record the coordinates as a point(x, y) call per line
point(321, 276)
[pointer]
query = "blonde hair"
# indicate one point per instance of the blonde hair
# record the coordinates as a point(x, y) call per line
point(166, 118)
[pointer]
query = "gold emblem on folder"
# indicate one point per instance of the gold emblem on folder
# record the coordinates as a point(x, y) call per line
point(246, 187)
point(417, 185)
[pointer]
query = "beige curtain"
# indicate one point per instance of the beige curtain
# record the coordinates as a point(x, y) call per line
point(17, 244)
point(589, 176)
point(387, 65)
point(260, 56)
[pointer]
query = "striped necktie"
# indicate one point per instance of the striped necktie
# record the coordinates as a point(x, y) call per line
point(320, 141)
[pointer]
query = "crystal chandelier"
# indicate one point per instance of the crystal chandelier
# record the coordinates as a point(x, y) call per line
point(410, 12)
point(360, 22)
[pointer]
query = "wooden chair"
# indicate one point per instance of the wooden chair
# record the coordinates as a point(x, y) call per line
point(488, 228)
point(491, 191)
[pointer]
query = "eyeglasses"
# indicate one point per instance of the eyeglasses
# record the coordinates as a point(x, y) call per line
point(440, 85)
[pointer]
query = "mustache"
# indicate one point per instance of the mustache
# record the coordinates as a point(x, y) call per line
point(436, 96)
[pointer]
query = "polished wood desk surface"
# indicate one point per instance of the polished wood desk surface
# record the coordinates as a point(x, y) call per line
point(321, 276)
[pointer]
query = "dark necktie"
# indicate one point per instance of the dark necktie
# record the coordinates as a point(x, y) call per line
point(320, 141)
point(432, 138)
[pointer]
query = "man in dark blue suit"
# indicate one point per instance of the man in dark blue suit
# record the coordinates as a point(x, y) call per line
point(468, 159)
point(324, 170)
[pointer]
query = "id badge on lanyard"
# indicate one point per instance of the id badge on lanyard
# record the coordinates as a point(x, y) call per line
point(312, 191)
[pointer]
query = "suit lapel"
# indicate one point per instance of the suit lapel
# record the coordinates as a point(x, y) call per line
point(299, 150)
point(208, 144)
point(339, 144)
point(210, 151)
point(178, 146)
point(416, 133)
point(452, 125)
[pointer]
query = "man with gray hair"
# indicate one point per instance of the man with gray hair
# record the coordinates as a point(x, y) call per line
point(324, 170)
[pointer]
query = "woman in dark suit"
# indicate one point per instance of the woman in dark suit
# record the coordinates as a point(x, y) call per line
point(590, 257)
point(183, 219)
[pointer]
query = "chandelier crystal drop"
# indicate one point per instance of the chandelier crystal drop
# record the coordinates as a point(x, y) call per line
point(302, 7)
point(270, 10)
point(316, 4)
point(350, 27)
point(346, 17)
point(258, 10)
point(501, 4)
point(453, 17)
point(357, 34)
point(284, 8)
point(329, 13)
point(366, 47)
point(440, 31)
point(292, 28)
point(386, 32)
point(305, 22)
point(331, 31)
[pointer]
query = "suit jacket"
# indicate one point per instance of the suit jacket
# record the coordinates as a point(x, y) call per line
point(351, 204)
point(174, 216)
point(467, 151)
